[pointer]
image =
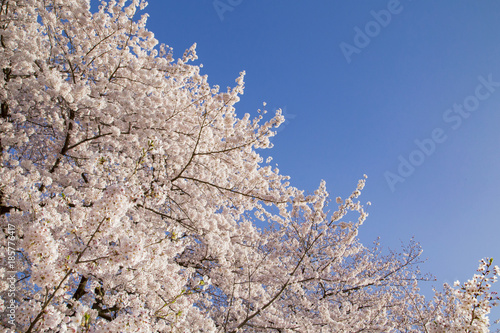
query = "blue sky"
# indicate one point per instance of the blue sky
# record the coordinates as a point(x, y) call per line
point(360, 112)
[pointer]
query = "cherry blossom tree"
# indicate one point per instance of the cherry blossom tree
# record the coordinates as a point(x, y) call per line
point(131, 189)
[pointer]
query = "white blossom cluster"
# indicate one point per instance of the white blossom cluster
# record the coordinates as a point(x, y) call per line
point(134, 187)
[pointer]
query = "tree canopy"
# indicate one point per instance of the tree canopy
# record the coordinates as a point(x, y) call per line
point(130, 188)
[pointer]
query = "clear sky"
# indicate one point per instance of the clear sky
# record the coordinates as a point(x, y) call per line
point(359, 83)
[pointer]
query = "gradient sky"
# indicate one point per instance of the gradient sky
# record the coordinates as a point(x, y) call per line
point(360, 112)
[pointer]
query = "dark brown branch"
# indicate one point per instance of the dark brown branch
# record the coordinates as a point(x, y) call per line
point(231, 190)
point(88, 139)
point(80, 291)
